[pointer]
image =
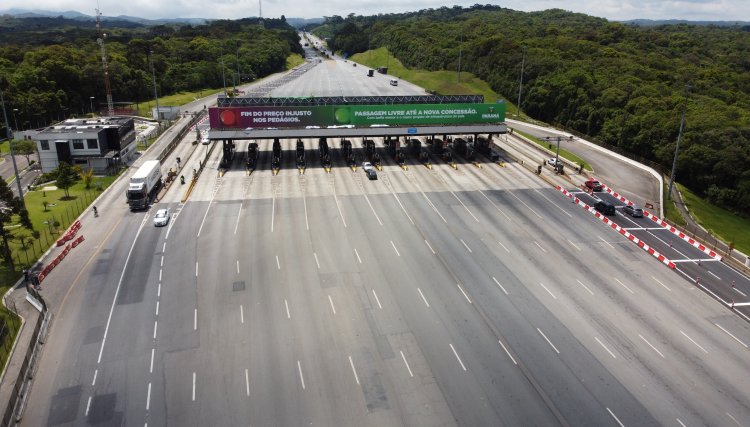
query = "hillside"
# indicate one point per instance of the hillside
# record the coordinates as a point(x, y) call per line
point(621, 84)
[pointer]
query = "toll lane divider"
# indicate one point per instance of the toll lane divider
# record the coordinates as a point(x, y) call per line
point(677, 232)
point(61, 256)
point(619, 229)
point(70, 234)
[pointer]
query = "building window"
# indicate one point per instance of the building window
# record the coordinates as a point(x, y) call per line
point(92, 144)
point(78, 144)
point(44, 144)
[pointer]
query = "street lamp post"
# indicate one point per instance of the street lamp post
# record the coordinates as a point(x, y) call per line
point(156, 94)
point(91, 102)
point(15, 110)
point(12, 154)
point(677, 146)
point(520, 84)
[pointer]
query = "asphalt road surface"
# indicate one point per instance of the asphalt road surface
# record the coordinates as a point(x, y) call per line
point(476, 296)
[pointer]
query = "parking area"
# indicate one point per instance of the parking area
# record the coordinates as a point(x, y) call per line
point(688, 258)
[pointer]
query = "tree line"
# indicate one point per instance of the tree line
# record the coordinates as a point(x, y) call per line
point(620, 84)
point(51, 73)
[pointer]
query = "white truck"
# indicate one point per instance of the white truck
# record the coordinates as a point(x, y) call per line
point(144, 185)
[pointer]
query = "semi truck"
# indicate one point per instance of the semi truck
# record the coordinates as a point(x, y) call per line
point(144, 185)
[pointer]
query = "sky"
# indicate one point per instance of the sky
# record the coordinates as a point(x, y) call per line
point(694, 10)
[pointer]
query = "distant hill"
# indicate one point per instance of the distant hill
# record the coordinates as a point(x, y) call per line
point(658, 22)
point(302, 22)
point(81, 17)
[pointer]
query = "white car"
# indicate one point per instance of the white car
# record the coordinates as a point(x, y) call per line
point(205, 140)
point(553, 161)
point(366, 166)
point(161, 218)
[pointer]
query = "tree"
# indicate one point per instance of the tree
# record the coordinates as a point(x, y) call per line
point(87, 175)
point(66, 177)
point(24, 147)
point(10, 205)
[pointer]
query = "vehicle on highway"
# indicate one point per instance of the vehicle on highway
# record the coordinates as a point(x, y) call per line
point(144, 185)
point(161, 218)
point(394, 82)
point(371, 174)
point(633, 210)
point(552, 161)
point(594, 185)
point(205, 140)
point(367, 166)
point(605, 208)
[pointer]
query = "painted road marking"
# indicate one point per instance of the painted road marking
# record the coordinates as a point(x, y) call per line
point(457, 357)
point(411, 374)
point(624, 286)
point(428, 245)
point(650, 345)
point(356, 377)
point(423, 298)
point(315, 255)
point(331, 301)
point(506, 249)
point(605, 347)
point(501, 286)
point(394, 248)
point(356, 253)
point(377, 299)
point(465, 245)
point(247, 383)
point(548, 341)
point(602, 239)
point(730, 334)
point(507, 352)
point(301, 378)
point(462, 291)
point(540, 246)
point(615, 417)
point(193, 386)
point(548, 291)
point(657, 281)
point(584, 287)
point(288, 314)
point(691, 340)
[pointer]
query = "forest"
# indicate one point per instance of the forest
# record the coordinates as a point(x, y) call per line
point(51, 67)
point(623, 85)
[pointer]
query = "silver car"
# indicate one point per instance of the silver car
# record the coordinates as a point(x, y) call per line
point(633, 210)
point(161, 218)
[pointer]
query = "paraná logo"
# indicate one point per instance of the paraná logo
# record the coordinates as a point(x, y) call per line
point(228, 118)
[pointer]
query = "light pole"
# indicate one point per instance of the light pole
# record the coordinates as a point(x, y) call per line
point(520, 84)
point(12, 154)
point(156, 94)
point(460, 53)
point(15, 110)
point(91, 102)
point(677, 146)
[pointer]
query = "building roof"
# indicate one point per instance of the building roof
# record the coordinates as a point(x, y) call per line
point(86, 125)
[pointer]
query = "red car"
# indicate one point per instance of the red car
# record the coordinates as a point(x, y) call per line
point(594, 185)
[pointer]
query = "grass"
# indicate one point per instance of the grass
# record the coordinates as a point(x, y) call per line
point(9, 327)
point(725, 224)
point(563, 152)
point(294, 60)
point(671, 212)
point(4, 147)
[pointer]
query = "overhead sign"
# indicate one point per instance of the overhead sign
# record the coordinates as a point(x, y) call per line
point(355, 115)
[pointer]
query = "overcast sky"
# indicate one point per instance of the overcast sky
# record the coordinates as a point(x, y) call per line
point(704, 10)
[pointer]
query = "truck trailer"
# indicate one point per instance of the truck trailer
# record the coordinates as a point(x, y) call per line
point(144, 185)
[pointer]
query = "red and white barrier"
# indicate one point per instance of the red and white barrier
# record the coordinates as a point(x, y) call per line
point(61, 256)
point(619, 229)
point(677, 232)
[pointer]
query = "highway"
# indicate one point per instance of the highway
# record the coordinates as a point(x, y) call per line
point(476, 296)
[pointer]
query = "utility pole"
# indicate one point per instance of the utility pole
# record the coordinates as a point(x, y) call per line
point(520, 85)
point(677, 146)
point(460, 52)
point(223, 76)
point(156, 94)
point(12, 154)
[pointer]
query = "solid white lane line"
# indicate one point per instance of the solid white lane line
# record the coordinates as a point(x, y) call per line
point(691, 340)
point(493, 204)
point(273, 209)
point(193, 386)
point(462, 291)
point(88, 405)
point(650, 345)
point(711, 273)
point(156, 323)
point(548, 341)
point(157, 308)
point(238, 266)
point(195, 320)
point(434, 207)
point(402, 207)
point(377, 300)
point(304, 203)
point(158, 290)
point(151, 366)
point(372, 209)
point(573, 244)
point(680, 422)
point(465, 207)
point(523, 203)
point(237, 223)
point(501, 286)
point(584, 287)
point(341, 214)
point(394, 248)
point(663, 285)
point(548, 291)
point(278, 264)
point(540, 246)
point(605, 347)
point(730, 334)
point(247, 383)
point(411, 374)
point(242, 314)
point(331, 301)
point(506, 249)
point(459, 359)
point(554, 203)
point(160, 273)
point(161, 264)
point(148, 397)
point(733, 419)
point(357, 253)
point(356, 377)
point(96, 372)
point(465, 245)
point(315, 255)
point(423, 298)
point(624, 286)
point(301, 378)
point(429, 246)
point(196, 268)
point(507, 352)
point(164, 247)
point(615, 417)
point(602, 239)
point(288, 314)
point(740, 292)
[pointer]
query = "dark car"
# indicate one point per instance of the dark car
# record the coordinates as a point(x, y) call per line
point(634, 211)
point(371, 174)
point(605, 208)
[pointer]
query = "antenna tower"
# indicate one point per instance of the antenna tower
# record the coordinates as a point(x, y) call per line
point(100, 41)
point(260, 12)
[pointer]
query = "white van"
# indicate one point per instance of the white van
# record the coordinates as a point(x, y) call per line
point(394, 82)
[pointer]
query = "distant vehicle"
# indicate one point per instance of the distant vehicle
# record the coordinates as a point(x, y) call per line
point(205, 140)
point(354, 64)
point(394, 82)
point(370, 73)
point(634, 211)
point(161, 218)
point(367, 166)
point(605, 208)
point(594, 185)
point(144, 185)
point(371, 174)
point(552, 161)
